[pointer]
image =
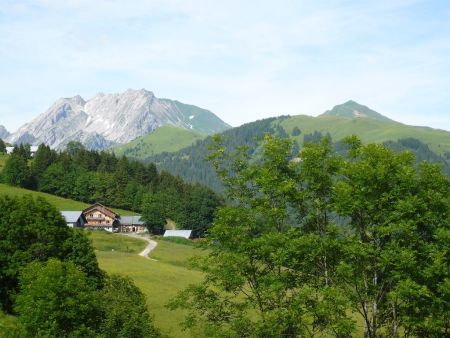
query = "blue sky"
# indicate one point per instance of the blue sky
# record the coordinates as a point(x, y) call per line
point(243, 60)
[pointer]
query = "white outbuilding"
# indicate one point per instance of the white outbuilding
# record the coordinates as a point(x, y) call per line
point(178, 233)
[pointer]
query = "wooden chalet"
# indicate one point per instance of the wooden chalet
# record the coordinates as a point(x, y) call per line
point(100, 217)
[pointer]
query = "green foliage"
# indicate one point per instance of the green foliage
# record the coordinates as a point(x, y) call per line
point(265, 277)
point(33, 230)
point(55, 300)
point(125, 312)
point(43, 158)
point(2, 147)
point(16, 171)
point(23, 151)
point(190, 162)
point(306, 246)
point(153, 213)
point(90, 177)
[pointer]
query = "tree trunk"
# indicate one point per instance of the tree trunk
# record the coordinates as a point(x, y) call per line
point(374, 308)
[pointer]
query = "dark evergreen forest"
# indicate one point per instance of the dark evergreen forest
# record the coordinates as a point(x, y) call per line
point(91, 176)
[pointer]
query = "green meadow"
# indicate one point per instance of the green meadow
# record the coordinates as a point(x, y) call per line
point(165, 138)
point(160, 278)
point(58, 202)
point(369, 130)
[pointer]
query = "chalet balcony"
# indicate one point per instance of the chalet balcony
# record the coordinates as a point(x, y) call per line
point(95, 218)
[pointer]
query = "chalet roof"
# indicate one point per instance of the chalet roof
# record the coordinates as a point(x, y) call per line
point(131, 220)
point(102, 209)
point(178, 233)
point(72, 216)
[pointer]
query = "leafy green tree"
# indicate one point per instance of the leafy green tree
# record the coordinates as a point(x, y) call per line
point(125, 311)
point(199, 209)
point(58, 180)
point(16, 171)
point(78, 250)
point(399, 219)
point(304, 246)
point(153, 213)
point(265, 274)
point(33, 230)
point(55, 300)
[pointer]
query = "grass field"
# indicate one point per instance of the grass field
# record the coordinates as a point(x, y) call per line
point(159, 279)
point(58, 202)
point(166, 138)
point(369, 130)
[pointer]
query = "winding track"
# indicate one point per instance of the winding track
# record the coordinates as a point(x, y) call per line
point(150, 246)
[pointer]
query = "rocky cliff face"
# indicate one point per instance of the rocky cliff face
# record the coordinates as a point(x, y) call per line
point(3, 132)
point(109, 119)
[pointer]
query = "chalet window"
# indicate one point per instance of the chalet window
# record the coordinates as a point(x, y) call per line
point(91, 215)
point(107, 221)
point(99, 222)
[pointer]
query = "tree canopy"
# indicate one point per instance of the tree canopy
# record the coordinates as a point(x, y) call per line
point(317, 245)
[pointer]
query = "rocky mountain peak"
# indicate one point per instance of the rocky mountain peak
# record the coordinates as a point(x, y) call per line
point(108, 119)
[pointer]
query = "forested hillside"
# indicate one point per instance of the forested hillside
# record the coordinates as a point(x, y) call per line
point(425, 143)
point(191, 164)
point(91, 176)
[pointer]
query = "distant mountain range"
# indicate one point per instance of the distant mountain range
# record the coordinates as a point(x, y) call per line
point(109, 119)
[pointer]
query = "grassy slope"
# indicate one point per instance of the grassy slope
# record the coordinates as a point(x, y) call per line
point(59, 202)
point(159, 279)
point(368, 129)
point(166, 138)
point(3, 158)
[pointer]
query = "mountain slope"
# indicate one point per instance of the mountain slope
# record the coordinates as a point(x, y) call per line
point(108, 119)
point(189, 163)
point(369, 130)
point(3, 132)
point(352, 109)
point(163, 139)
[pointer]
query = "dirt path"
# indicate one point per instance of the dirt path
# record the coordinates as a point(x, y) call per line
point(149, 248)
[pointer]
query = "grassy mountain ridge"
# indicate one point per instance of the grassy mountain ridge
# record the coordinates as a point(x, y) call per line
point(165, 138)
point(352, 109)
point(368, 129)
point(190, 162)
